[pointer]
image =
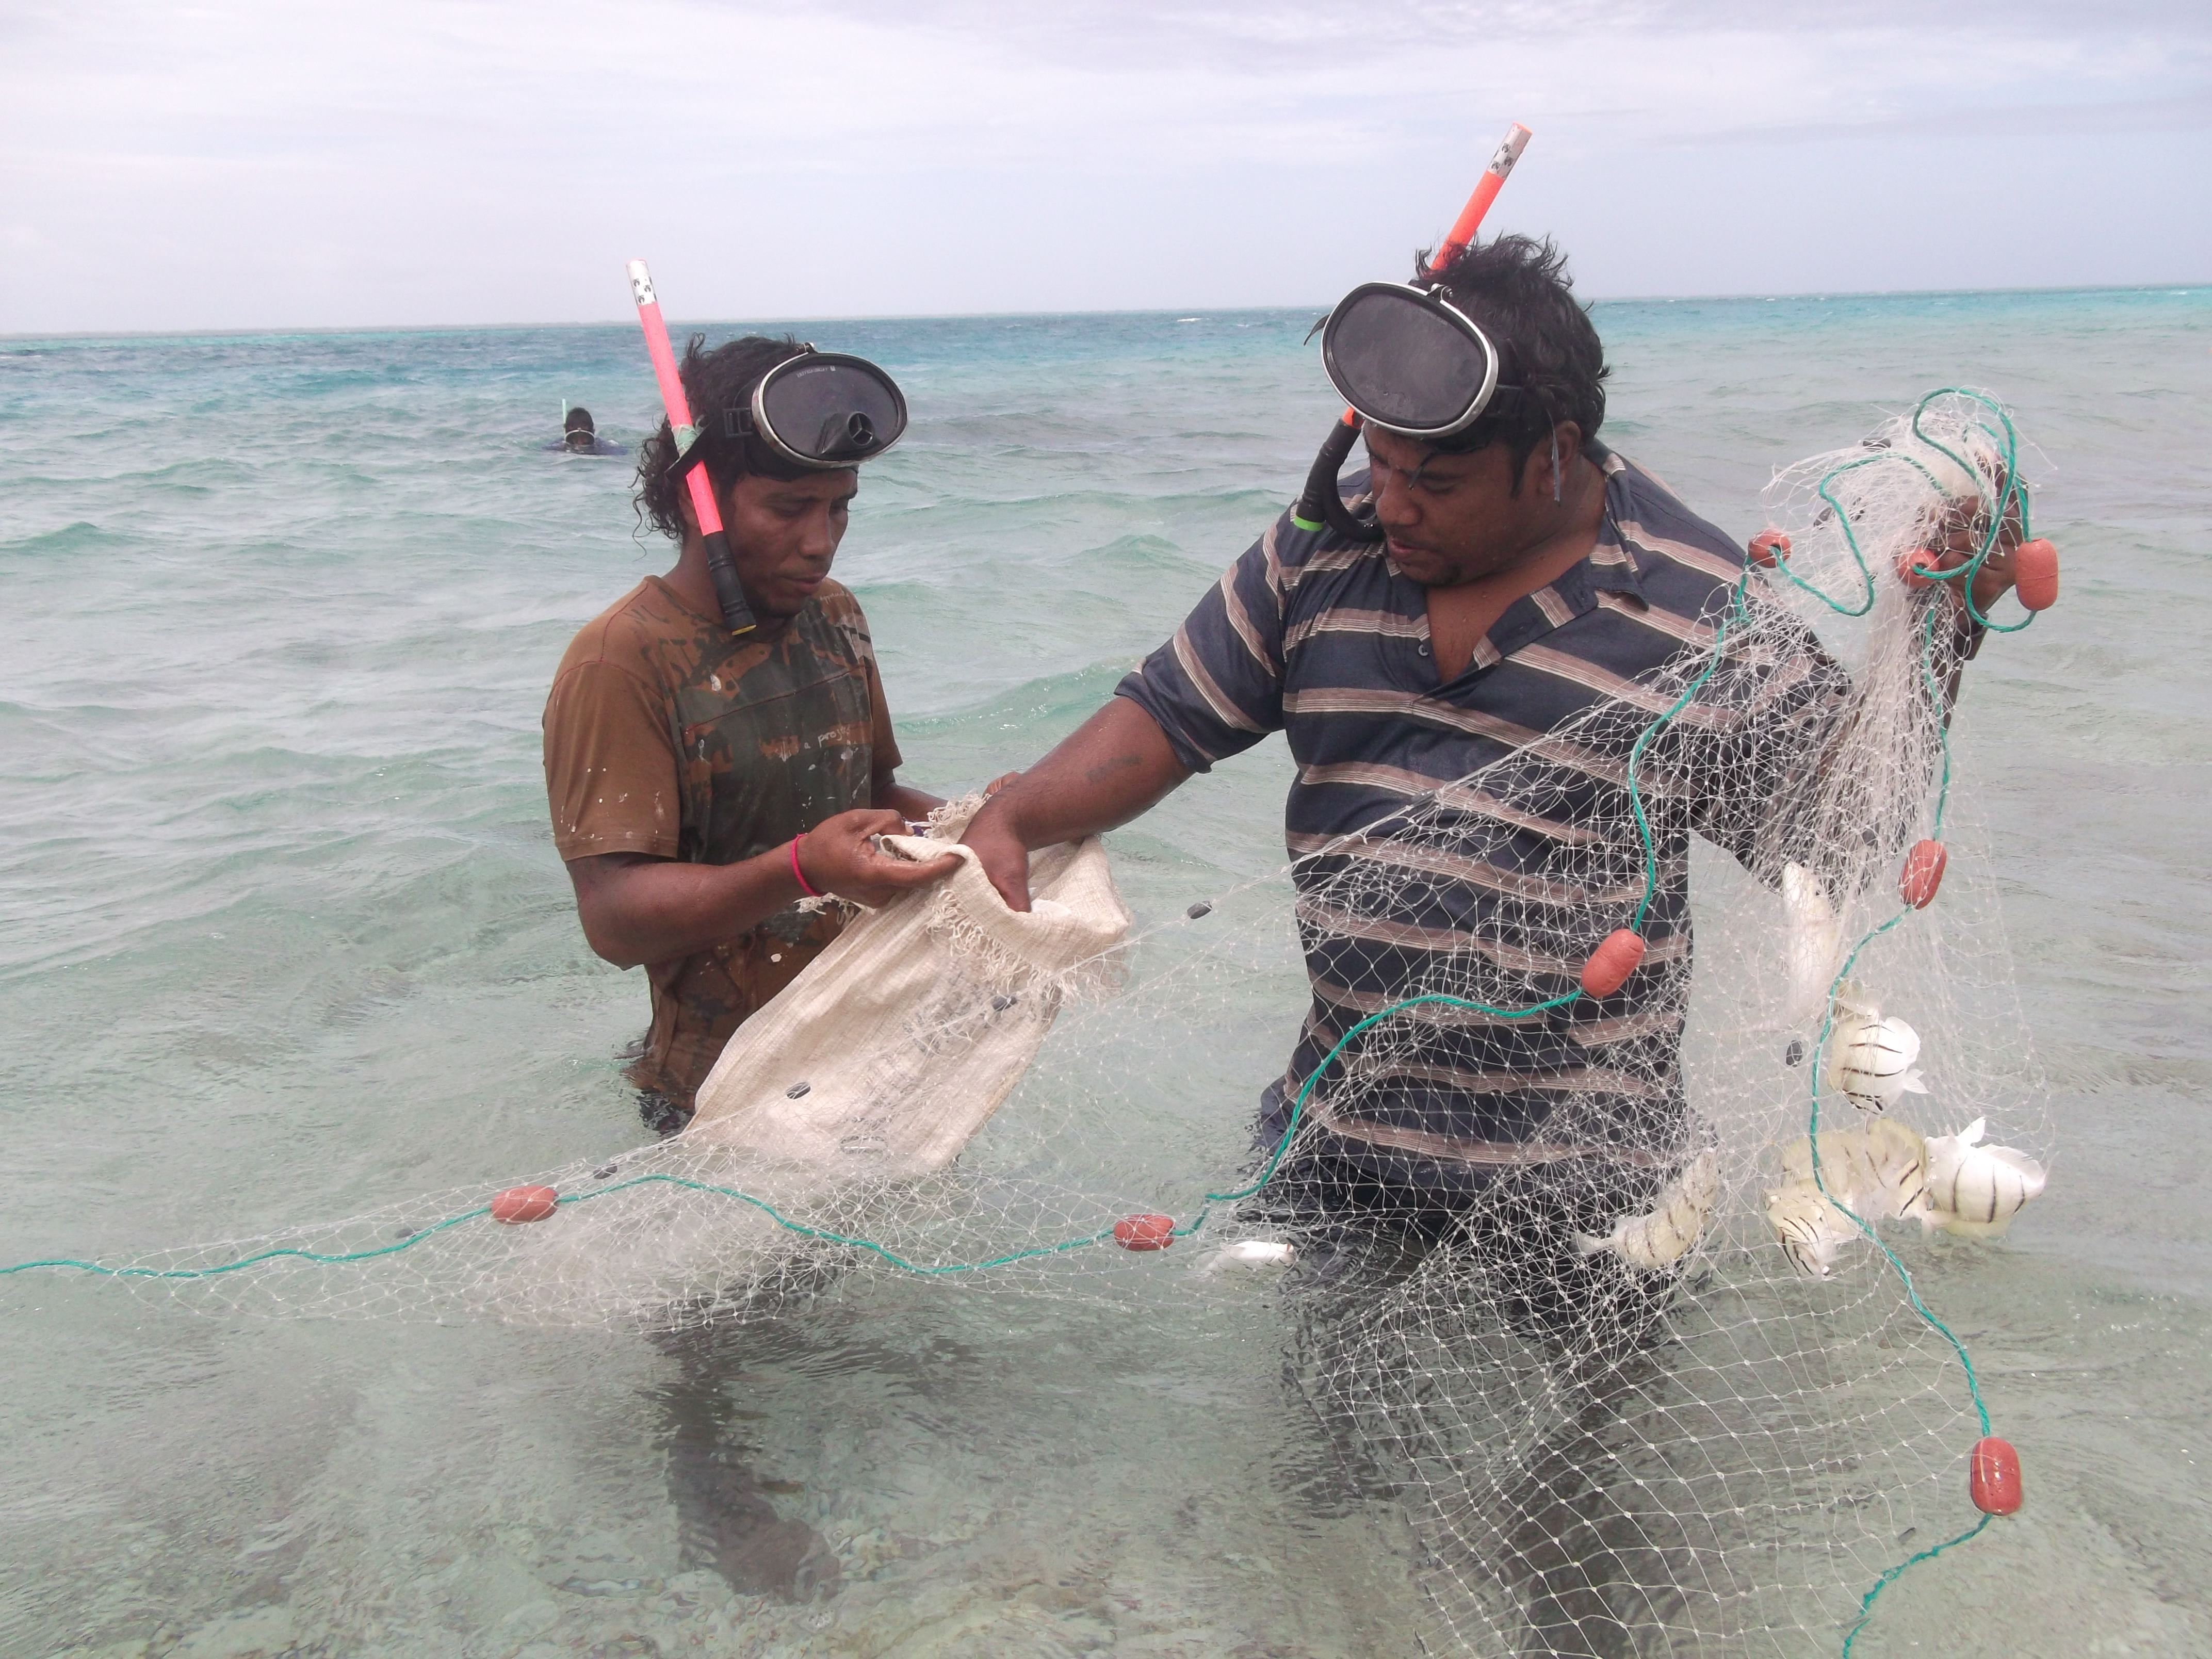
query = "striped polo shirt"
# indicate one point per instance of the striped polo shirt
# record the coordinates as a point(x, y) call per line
point(1493, 887)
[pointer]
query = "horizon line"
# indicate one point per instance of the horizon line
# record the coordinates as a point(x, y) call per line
point(1753, 296)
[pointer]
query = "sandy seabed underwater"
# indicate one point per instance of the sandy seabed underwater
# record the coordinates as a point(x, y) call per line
point(282, 936)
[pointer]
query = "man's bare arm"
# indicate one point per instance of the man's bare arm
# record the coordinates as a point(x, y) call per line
point(637, 909)
point(1111, 769)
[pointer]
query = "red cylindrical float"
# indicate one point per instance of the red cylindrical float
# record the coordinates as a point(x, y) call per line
point(1768, 548)
point(1993, 1476)
point(1145, 1232)
point(1612, 962)
point(1922, 873)
point(519, 1204)
point(1910, 565)
point(2035, 575)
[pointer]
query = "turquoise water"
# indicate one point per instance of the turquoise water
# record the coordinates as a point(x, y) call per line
point(282, 936)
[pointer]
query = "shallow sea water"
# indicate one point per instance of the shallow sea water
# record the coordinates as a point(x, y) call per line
point(282, 936)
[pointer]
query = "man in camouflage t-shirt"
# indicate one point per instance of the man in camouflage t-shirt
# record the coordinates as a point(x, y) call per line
point(703, 783)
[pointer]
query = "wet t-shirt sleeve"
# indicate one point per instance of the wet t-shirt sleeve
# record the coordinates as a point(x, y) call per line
point(612, 776)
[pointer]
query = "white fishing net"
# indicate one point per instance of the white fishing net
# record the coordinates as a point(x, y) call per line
point(1641, 1385)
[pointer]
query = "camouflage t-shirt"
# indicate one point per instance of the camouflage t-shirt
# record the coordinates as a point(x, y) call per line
point(665, 736)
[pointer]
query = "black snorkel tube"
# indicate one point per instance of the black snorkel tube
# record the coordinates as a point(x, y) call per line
point(1320, 505)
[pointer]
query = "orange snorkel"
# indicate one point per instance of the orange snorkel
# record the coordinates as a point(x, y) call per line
point(1319, 505)
point(1486, 191)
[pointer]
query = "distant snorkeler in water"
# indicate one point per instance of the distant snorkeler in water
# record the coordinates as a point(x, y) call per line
point(580, 437)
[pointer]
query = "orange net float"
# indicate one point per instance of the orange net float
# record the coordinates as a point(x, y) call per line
point(521, 1203)
point(1612, 962)
point(1993, 1476)
point(1922, 873)
point(2035, 575)
point(1911, 566)
point(1768, 548)
point(1145, 1232)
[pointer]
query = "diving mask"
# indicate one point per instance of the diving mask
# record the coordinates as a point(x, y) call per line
point(822, 408)
point(1410, 361)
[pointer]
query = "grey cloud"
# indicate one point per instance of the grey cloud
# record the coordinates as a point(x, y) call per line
point(1262, 38)
point(2107, 116)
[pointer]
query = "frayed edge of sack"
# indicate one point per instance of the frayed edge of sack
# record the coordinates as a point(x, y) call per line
point(1000, 969)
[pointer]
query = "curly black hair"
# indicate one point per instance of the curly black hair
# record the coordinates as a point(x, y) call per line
point(1517, 289)
point(722, 379)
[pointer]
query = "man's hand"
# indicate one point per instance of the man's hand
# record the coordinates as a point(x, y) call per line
point(1957, 539)
point(998, 849)
point(1113, 766)
point(839, 856)
point(638, 909)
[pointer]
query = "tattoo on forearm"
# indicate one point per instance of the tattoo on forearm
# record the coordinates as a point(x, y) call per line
point(1106, 769)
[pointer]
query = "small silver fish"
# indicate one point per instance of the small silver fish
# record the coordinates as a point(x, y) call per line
point(1810, 1228)
point(1871, 1057)
point(1814, 941)
point(1879, 1169)
point(1663, 1234)
point(1973, 1190)
point(1251, 1253)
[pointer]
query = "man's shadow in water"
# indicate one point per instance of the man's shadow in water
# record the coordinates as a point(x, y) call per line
point(726, 1513)
point(1429, 1351)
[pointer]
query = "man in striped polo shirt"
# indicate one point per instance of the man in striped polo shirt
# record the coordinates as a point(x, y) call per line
point(1525, 576)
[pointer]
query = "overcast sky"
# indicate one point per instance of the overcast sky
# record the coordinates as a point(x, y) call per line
point(243, 164)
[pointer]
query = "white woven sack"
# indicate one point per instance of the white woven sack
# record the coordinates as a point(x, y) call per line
point(909, 1032)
